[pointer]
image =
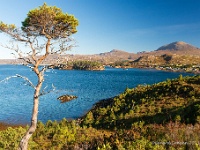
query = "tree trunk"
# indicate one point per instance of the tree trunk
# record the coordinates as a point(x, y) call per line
point(40, 74)
point(24, 141)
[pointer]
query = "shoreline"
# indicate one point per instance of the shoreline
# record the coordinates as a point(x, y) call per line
point(195, 72)
point(4, 126)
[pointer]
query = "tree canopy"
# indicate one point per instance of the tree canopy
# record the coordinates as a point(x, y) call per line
point(49, 21)
point(45, 21)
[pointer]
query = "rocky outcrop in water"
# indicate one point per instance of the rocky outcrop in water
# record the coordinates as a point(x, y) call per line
point(66, 98)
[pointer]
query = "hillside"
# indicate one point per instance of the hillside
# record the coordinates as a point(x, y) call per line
point(174, 54)
point(166, 59)
point(161, 112)
point(171, 100)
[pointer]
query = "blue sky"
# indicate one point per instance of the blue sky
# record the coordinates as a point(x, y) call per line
point(129, 25)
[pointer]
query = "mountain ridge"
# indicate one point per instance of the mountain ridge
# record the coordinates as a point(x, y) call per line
point(173, 50)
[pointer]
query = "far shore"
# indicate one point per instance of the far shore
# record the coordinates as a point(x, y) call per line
point(138, 67)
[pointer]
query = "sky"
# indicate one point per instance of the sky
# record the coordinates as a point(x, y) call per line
point(129, 25)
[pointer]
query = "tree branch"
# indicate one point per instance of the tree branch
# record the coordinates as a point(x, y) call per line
point(19, 76)
point(43, 92)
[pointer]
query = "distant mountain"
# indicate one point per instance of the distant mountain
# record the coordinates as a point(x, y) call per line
point(177, 46)
point(116, 55)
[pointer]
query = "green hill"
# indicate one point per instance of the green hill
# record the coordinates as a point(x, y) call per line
point(171, 100)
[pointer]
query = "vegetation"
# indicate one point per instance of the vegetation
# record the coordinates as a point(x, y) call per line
point(80, 65)
point(158, 103)
point(165, 115)
point(48, 24)
point(87, 65)
point(122, 64)
point(169, 62)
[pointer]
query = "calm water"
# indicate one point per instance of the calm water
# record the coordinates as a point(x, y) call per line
point(89, 86)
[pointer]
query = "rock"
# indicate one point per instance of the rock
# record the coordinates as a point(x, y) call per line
point(66, 98)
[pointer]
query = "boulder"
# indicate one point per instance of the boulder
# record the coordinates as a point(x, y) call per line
point(66, 98)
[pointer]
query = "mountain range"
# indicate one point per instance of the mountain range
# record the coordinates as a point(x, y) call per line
point(176, 52)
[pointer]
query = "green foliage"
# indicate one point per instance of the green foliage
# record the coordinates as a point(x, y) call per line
point(70, 135)
point(9, 138)
point(49, 21)
point(123, 64)
point(4, 27)
point(174, 100)
point(89, 118)
point(80, 65)
point(105, 147)
point(86, 65)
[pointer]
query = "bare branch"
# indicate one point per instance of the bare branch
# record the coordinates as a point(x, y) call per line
point(33, 52)
point(63, 46)
point(44, 68)
point(18, 53)
point(19, 76)
point(43, 92)
point(29, 66)
point(17, 35)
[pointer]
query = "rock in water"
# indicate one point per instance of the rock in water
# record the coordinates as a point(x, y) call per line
point(66, 98)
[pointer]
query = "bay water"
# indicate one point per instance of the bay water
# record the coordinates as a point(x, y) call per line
point(16, 98)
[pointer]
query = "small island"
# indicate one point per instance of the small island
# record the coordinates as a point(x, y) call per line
point(79, 65)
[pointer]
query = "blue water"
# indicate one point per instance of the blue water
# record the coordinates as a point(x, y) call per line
point(90, 86)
